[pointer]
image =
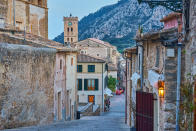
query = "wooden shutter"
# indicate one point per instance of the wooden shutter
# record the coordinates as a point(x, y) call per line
point(80, 84)
point(85, 84)
point(96, 84)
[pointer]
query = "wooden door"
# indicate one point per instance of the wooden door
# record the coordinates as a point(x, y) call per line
point(91, 99)
point(144, 111)
point(195, 108)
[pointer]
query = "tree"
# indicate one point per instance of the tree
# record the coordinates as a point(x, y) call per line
point(174, 5)
point(112, 83)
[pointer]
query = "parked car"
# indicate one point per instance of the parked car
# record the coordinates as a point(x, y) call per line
point(121, 90)
point(118, 92)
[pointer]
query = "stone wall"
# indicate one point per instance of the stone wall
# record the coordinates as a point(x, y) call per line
point(26, 85)
point(31, 17)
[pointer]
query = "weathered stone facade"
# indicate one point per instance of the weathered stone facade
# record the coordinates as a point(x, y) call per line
point(30, 80)
point(156, 60)
point(190, 47)
point(31, 16)
point(26, 85)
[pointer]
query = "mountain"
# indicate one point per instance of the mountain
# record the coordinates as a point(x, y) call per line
point(118, 23)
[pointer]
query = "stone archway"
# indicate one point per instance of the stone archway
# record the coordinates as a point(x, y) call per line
point(156, 112)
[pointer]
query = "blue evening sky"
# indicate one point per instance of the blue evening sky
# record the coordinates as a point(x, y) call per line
point(80, 8)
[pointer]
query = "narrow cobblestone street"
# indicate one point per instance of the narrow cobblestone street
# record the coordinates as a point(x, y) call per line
point(109, 121)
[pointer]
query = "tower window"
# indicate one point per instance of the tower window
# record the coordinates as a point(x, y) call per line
point(67, 39)
point(67, 29)
point(40, 2)
point(71, 29)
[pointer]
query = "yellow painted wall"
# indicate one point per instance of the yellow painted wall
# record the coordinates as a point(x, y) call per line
point(98, 67)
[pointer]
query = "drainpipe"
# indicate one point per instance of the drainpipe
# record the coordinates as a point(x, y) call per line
point(102, 91)
point(141, 66)
point(178, 72)
point(14, 13)
point(126, 94)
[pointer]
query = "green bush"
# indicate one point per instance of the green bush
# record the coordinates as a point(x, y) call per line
point(112, 83)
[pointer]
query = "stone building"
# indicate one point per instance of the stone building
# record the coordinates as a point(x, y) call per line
point(28, 15)
point(156, 61)
point(190, 46)
point(91, 80)
point(132, 80)
point(70, 29)
point(34, 80)
point(98, 48)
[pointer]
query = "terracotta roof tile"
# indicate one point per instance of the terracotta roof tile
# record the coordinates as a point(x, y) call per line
point(89, 59)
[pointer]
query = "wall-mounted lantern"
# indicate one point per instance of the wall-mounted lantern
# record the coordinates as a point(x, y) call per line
point(161, 87)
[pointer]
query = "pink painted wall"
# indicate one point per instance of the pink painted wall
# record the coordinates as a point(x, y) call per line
point(171, 23)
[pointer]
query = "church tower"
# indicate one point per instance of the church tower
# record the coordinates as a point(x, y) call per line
point(70, 29)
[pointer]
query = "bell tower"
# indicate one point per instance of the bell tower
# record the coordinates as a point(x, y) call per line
point(70, 29)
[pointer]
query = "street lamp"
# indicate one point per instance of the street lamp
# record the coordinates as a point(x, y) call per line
point(161, 88)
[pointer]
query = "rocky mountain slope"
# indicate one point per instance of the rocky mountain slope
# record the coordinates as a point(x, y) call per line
point(118, 23)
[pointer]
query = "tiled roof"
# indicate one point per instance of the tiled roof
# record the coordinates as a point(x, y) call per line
point(34, 40)
point(89, 59)
point(170, 16)
point(101, 42)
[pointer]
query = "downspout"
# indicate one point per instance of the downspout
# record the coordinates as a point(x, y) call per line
point(178, 73)
point(141, 66)
point(14, 13)
point(126, 94)
point(102, 91)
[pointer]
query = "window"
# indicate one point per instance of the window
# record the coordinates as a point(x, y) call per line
point(67, 29)
point(90, 84)
point(79, 84)
point(157, 56)
point(71, 61)
point(67, 39)
point(61, 64)
point(106, 67)
point(40, 2)
point(71, 40)
point(91, 68)
point(71, 29)
point(79, 68)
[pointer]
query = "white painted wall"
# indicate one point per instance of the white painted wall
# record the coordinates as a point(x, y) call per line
point(83, 95)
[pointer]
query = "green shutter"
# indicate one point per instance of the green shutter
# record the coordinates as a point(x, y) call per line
point(85, 84)
point(96, 84)
point(80, 84)
point(79, 68)
point(93, 68)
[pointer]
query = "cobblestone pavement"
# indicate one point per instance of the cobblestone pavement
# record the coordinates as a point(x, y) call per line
point(109, 121)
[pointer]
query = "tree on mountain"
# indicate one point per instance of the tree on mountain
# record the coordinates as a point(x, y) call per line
point(174, 5)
